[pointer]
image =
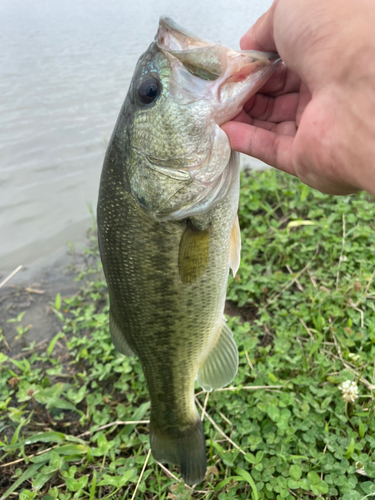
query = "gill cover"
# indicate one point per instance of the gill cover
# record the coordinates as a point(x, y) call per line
point(183, 90)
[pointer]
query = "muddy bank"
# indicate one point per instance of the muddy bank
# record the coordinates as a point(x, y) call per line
point(33, 291)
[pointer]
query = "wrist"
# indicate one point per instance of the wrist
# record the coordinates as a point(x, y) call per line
point(354, 132)
point(334, 148)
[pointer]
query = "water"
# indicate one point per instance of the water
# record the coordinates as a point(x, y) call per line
point(64, 72)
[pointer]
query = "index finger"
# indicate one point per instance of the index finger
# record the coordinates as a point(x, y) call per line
point(283, 81)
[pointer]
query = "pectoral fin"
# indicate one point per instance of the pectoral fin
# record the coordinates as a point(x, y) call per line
point(118, 338)
point(221, 364)
point(194, 253)
point(235, 247)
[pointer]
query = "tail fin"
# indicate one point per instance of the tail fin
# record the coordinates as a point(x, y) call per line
point(187, 450)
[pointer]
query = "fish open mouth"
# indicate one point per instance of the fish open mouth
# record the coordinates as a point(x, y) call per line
point(201, 57)
point(233, 76)
point(174, 37)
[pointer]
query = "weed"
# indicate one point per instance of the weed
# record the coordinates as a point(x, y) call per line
point(298, 421)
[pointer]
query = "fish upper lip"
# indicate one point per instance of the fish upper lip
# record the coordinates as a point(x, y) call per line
point(167, 24)
point(170, 33)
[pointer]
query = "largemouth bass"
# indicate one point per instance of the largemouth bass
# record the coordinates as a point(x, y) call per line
point(168, 227)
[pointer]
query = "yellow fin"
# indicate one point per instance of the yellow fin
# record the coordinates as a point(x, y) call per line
point(220, 366)
point(194, 252)
point(235, 247)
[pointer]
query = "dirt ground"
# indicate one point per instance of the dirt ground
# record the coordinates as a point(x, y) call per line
point(33, 296)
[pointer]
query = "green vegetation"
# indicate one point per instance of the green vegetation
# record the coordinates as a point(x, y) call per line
point(73, 419)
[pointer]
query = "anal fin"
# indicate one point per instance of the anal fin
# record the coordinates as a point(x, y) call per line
point(235, 247)
point(118, 338)
point(220, 366)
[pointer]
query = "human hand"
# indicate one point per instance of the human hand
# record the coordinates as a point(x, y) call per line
point(315, 117)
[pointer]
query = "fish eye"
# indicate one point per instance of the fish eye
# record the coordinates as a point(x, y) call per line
point(148, 90)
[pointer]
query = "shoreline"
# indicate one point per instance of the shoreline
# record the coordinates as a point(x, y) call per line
point(44, 252)
point(31, 291)
point(33, 288)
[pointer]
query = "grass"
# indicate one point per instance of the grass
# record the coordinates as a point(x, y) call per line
point(74, 418)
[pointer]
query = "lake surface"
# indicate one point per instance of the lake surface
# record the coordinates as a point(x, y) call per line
point(65, 68)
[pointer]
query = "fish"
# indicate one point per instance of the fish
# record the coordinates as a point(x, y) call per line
point(168, 228)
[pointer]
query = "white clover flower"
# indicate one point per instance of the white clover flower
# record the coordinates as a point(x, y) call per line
point(360, 468)
point(349, 391)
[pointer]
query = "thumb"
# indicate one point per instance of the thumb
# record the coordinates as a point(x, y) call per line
point(260, 35)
